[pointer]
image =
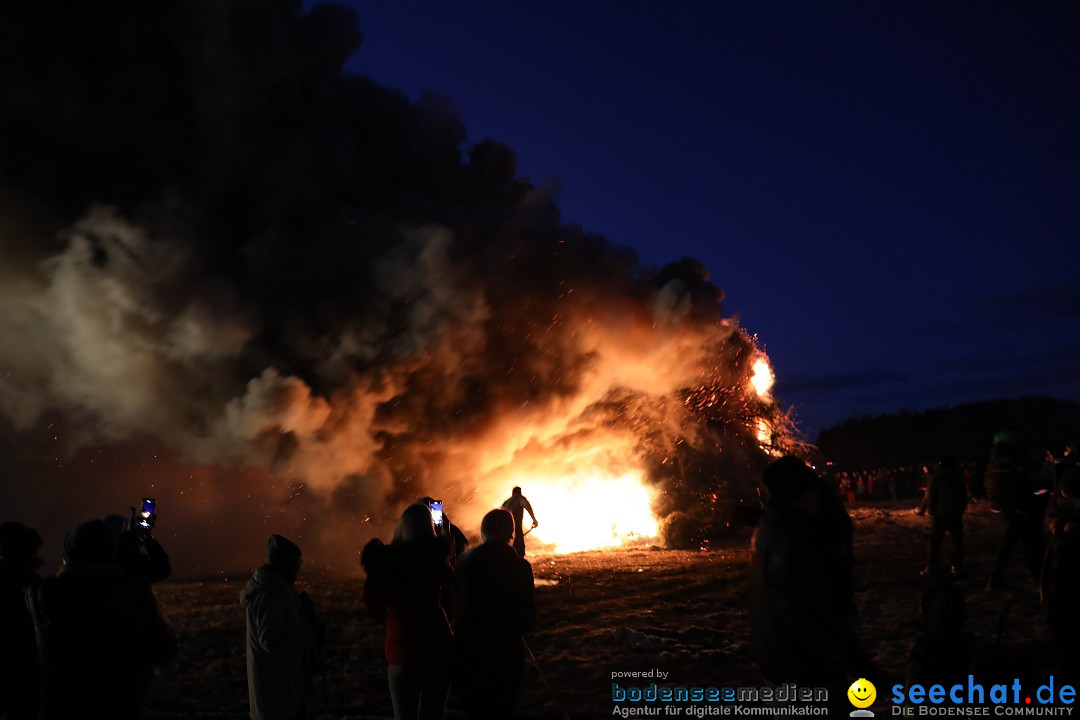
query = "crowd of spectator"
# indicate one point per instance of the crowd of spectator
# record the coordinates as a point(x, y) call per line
point(900, 483)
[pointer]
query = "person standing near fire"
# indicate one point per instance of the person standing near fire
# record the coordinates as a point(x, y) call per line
point(1013, 496)
point(802, 609)
point(945, 500)
point(517, 504)
point(403, 590)
point(494, 605)
point(281, 641)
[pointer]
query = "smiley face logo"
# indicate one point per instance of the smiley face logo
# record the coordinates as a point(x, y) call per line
point(862, 693)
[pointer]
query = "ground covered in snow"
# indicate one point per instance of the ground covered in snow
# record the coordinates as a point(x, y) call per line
point(681, 612)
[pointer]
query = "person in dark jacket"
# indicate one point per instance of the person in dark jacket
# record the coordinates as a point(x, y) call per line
point(138, 553)
point(280, 638)
point(1060, 591)
point(98, 632)
point(403, 589)
point(517, 504)
point(802, 615)
point(20, 558)
point(1061, 461)
point(493, 606)
point(945, 500)
point(1012, 495)
point(838, 550)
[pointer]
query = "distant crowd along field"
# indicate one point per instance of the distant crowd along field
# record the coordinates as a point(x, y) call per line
point(899, 483)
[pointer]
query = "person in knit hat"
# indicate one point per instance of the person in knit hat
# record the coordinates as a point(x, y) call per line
point(494, 605)
point(280, 637)
point(802, 611)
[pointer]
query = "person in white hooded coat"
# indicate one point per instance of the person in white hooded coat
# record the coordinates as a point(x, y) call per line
point(280, 639)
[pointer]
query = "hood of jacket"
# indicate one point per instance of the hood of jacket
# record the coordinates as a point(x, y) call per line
point(265, 577)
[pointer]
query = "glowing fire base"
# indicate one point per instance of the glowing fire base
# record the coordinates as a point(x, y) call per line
point(590, 511)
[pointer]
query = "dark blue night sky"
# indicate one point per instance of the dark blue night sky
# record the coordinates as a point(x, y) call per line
point(888, 194)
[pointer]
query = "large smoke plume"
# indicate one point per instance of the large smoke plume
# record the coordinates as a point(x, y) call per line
point(284, 295)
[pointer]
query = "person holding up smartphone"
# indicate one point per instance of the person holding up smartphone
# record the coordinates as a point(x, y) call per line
point(444, 527)
point(138, 553)
point(99, 632)
point(403, 591)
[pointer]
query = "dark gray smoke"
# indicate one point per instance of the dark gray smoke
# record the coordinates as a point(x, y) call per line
point(286, 296)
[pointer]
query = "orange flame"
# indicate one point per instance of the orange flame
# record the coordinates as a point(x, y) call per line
point(588, 493)
point(762, 381)
point(764, 432)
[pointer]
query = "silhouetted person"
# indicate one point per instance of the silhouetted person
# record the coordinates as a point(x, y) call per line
point(138, 553)
point(838, 551)
point(1061, 460)
point(403, 590)
point(493, 606)
point(942, 653)
point(1061, 566)
point(280, 638)
point(20, 559)
point(98, 632)
point(517, 504)
point(801, 582)
point(945, 500)
point(1012, 494)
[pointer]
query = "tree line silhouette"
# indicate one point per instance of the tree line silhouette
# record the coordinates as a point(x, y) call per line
point(965, 431)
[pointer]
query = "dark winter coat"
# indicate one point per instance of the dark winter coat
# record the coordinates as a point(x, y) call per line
point(1007, 477)
point(1061, 575)
point(18, 647)
point(835, 536)
point(403, 590)
point(151, 567)
point(280, 647)
point(800, 626)
point(98, 634)
point(493, 604)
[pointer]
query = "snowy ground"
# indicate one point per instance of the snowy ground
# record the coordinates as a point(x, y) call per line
point(680, 612)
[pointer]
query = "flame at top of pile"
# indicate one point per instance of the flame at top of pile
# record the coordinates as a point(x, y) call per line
point(763, 378)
